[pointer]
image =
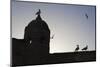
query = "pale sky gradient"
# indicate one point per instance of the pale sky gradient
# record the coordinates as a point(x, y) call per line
point(67, 22)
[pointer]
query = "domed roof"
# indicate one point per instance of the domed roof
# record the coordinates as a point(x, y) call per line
point(38, 24)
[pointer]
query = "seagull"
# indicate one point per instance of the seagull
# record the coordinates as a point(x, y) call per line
point(52, 36)
point(86, 15)
point(39, 12)
point(77, 48)
point(85, 48)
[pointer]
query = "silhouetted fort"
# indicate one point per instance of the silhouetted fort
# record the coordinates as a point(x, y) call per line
point(34, 48)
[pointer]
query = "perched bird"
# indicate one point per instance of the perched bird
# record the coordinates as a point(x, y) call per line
point(85, 48)
point(86, 15)
point(39, 12)
point(52, 36)
point(77, 48)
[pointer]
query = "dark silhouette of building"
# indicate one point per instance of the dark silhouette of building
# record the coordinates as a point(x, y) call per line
point(34, 48)
point(37, 38)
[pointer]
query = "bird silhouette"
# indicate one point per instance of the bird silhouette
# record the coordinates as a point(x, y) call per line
point(52, 36)
point(39, 12)
point(86, 15)
point(85, 48)
point(77, 48)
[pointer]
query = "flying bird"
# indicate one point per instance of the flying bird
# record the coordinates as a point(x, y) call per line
point(86, 15)
point(85, 48)
point(52, 36)
point(77, 48)
point(39, 12)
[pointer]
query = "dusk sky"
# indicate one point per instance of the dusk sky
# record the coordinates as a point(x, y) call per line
point(67, 22)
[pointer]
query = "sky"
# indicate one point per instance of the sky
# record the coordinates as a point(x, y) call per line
point(67, 23)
